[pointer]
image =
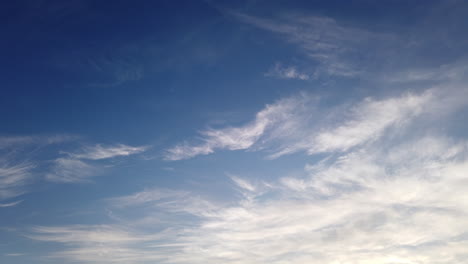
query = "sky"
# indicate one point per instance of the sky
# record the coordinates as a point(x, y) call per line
point(234, 132)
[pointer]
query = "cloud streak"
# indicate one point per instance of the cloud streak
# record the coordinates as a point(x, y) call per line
point(322, 39)
point(372, 205)
point(15, 203)
point(77, 167)
point(291, 72)
point(99, 152)
point(382, 195)
point(13, 179)
point(238, 138)
point(295, 124)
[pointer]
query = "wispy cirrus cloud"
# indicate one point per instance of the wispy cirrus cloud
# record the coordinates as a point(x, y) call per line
point(71, 171)
point(15, 203)
point(371, 200)
point(80, 166)
point(102, 243)
point(362, 207)
point(18, 162)
point(286, 72)
point(99, 152)
point(146, 197)
point(18, 156)
point(374, 204)
point(13, 179)
point(10, 141)
point(243, 137)
point(296, 124)
point(322, 39)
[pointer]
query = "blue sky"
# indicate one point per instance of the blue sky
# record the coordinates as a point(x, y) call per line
point(234, 132)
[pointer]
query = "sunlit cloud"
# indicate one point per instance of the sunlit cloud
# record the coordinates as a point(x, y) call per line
point(294, 124)
point(381, 196)
point(99, 152)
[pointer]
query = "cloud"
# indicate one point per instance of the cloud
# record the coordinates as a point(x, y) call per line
point(442, 73)
point(10, 141)
point(384, 193)
point(99, 152)
point(296, 124)
point(145, 197)
point(14, 254)
point(101, 243)
point(80, 166)
point(372, 205)
point(19, 164)
point(10, 204)
point(243, 184)
point(71, 171)
point(323, 40)
point(278, 71)
point(237, 138)
point(13, 179)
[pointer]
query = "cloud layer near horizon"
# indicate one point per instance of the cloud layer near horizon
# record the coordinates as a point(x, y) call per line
point(384, 194)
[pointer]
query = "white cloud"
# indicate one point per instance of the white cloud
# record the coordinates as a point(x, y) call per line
point(18, 163)
point(99, 152)
point(392, 203)
point(10, 204)
point(295, 124)
point(102, 243)
point(291, 72)
point(14, 178)
point(77, 167)
point(9, 141)
point(322, 39)
point(146, 196)
point(71, 171)
point(14, 254)
point(244, 137)
point(243, 183)
point(446, 72)
point(385, 194)
point(368, 120)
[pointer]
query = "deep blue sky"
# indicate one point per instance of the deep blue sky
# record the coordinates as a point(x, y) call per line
point(233, 132)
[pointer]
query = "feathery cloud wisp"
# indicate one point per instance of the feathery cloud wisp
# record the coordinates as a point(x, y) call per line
point(99, 152)
point(78, 167)
point(291, 72)
point(373, 203)
point(11, 204)
point(292, 125)
point(322, 39)
point(13, 179)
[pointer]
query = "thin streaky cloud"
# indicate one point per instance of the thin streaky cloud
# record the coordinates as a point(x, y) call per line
point(322, 39)
point(244, 137)
point(14, 254)
point(80, 166)
point(11, 204)
point(67, 170)
point(371, 205)
point(242, 183)
point(368, 201)
point(14, 178)
point(286, 72)
point(292, 125)
point(146, 197)
point(99, 152)
point(15, 141)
